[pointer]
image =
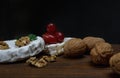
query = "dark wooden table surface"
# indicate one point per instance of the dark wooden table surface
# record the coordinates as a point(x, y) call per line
point(62, 68)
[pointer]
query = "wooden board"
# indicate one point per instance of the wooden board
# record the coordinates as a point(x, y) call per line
point(62, 68)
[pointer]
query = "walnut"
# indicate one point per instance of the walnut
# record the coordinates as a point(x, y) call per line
point(22, 41)
point(32, 60)
point(40, 62)
point(74, 48)
point(91, 41)
point(3, 45)
point(101, 53)
point(115, 63)
point(49, 58)
point(36, 62)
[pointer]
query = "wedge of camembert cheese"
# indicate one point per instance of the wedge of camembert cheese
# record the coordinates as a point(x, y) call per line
point(15, 53)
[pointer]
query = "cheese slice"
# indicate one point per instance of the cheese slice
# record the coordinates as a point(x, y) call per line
point(15, 53)
point(56, 49)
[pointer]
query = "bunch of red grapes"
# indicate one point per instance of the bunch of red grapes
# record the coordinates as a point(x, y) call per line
point(52, 35)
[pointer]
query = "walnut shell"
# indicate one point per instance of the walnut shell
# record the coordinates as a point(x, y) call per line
point(115, 63)
point(101, 53)
point(91, 41)
point(74, 48)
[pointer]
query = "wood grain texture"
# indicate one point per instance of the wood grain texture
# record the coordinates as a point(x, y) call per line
point(62, 68)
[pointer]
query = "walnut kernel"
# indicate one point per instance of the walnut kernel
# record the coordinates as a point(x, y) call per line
point(3, 45)
point(40, 62)
point(22, 41)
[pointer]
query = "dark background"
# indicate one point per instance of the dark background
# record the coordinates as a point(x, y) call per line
point(75, 18)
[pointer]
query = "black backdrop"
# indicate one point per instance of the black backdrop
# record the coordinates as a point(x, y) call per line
point(77, 18)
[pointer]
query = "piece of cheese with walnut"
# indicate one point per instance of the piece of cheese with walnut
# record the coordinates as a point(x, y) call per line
point(15, 53)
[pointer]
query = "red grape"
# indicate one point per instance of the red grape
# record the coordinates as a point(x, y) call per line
point(52, 36)
point(59, 36)
point(49, 39)
point(51, 28)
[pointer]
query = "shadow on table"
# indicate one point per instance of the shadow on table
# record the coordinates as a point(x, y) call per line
point(113, 75)
point(97, 66)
